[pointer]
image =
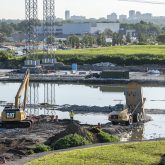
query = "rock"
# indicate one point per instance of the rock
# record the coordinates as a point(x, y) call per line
point(162, 160)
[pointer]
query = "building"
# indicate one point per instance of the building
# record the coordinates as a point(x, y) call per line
point(131, 14)
point(112, 17)
point(122, 18)
point(76, 28)
point(78, 18)
point(101, 27)
point(146, 16)
point(79, 28)
point(67, 14)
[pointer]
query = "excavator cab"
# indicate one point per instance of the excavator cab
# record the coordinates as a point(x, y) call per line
point(15, 116)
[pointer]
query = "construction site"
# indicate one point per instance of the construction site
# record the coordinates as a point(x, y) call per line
point(46, 100)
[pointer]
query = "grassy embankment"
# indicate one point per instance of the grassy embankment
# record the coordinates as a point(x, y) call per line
point(128, 55)
point(141, 153)
point(121, 55)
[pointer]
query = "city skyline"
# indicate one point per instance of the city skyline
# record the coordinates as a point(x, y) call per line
point(91, 9)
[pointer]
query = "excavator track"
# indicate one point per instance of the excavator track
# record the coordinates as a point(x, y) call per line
point(12, 125)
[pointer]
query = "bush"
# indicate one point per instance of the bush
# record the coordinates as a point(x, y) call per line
point(104, 137)
point(71, 140)
point(30, 152)
point(41, 148)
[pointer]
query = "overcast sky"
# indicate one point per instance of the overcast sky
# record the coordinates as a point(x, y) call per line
point(15, 9)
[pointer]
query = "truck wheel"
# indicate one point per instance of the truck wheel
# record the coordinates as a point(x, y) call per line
point(141, 117)
point(136, 118)
point(129, 122)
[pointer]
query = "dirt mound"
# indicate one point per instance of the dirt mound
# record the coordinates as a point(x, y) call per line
point(70, 129)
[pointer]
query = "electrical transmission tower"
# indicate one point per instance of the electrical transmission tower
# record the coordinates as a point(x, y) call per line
point(48, 22)
point(31, 16)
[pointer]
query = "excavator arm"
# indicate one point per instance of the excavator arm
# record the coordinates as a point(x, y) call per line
point(22, 91)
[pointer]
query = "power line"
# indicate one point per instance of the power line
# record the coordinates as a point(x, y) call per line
point(144, 1)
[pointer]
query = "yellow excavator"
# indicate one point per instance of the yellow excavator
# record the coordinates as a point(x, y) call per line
point(15, 116)
point(133, 111)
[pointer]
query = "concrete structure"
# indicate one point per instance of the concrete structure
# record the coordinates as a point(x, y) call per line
point(101, 27)
point(131, 14)
point(67, 14)
point(80, 28)
point(122, 18)
point(112, 17)
point(78, 18)
point(76, 28)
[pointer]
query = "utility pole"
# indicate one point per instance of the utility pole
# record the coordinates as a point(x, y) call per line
point(48, 22)
point(31, 16)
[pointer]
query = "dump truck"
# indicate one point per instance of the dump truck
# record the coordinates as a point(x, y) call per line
point(133, 110)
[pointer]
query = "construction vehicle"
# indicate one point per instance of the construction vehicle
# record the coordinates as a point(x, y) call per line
point(15, 116)
point(133, 111)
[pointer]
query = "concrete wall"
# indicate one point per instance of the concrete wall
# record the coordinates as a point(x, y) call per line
point(76, 28)
point(102, 26)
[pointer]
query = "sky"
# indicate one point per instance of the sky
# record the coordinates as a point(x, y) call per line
point(15, 9)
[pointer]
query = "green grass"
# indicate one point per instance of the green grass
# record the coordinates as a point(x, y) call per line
point(121, 55)
point(141, 153)
point(117, 50)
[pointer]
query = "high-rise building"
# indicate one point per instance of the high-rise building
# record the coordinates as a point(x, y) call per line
point(112, 17)
point(131, 14)
point(122, 18)
point(138, 14)
point(67, 14)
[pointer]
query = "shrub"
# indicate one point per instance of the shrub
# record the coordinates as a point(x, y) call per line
point(30, 152)
point(104, 137)
point(71, 140)
point(41, 148)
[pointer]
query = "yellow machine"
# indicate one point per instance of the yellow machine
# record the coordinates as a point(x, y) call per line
point(133, 111)
point(15, 116)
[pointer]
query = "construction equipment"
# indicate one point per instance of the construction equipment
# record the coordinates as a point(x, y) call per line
point(15, 116)
point(133, 111)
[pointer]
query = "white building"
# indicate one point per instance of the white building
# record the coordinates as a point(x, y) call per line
point(78, 18)
point(122, 18)
point(112, 17)
point(80, 28)
point(67, 14)
point(101, 27)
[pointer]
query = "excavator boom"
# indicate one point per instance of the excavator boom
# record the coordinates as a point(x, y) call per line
point(22, 90)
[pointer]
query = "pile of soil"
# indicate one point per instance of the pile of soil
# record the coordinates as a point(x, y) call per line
point(72, 128)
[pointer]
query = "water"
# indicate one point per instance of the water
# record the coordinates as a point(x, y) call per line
point(100, 95)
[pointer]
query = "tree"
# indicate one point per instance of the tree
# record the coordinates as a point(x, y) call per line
point(128, 38)
point(88, 40)
point(101, 40)
point(74, 41)
point(161, 38)
point(6, 28)
point(117, 39)
point(108, 32)
point(2, 38)
point(50, 40)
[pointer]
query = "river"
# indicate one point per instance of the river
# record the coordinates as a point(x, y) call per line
point(99, 95)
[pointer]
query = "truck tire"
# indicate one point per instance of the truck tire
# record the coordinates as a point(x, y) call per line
point(129, 122)
point(136, 118)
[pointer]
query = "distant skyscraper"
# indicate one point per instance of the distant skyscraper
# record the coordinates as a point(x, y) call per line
point(112, 17)
point(67, 14)
point(122, 18)
point(131, 14)
point(138, 14)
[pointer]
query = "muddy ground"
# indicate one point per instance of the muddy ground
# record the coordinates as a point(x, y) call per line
point(15, 143)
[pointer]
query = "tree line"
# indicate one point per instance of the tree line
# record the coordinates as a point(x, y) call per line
point(146, 33)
